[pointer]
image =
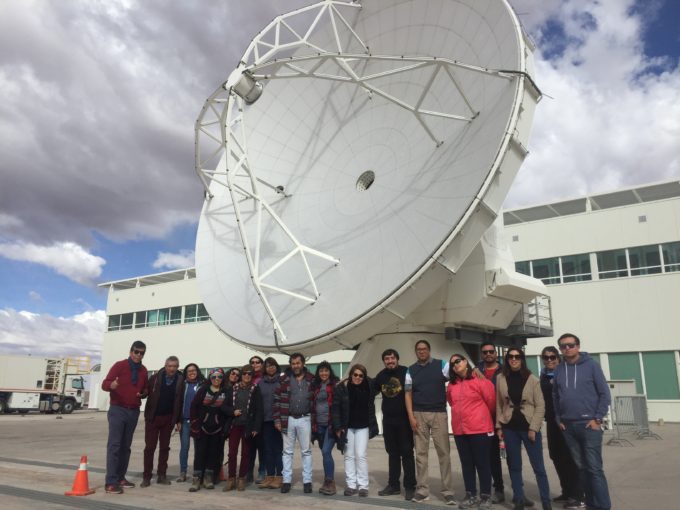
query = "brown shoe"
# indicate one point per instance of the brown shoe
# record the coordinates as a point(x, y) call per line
point(241, 484)
point(145, 483)
point(264, 484)
point(276, 482)
point(162, 480)
point(328, 488)
point(229, 485)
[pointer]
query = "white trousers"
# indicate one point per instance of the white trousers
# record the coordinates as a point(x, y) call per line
point(356, 465)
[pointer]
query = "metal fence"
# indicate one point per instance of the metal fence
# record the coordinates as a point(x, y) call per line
point(629, 414)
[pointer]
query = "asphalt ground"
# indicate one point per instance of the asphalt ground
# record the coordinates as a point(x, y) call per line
point(39, 455)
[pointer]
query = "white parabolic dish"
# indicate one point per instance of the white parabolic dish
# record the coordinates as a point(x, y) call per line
point(395, 128)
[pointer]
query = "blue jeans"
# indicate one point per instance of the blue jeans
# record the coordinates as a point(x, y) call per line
point(184, 443)
point(513, 447)
point(273, 449)
point(475, 460)
point(327, 452)
point(585, 446)
point(299, 429)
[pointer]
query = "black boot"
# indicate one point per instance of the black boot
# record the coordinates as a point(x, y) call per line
point(547, 505)
point(519, 505)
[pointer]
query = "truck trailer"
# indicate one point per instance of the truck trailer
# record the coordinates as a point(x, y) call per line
point(31, 383)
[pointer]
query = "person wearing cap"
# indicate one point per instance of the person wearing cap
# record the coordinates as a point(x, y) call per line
point(126, 382)
point(211, 414)
point(247, 401)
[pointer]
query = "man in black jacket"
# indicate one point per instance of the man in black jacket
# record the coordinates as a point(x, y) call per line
point(163, 412)
point(397, 432)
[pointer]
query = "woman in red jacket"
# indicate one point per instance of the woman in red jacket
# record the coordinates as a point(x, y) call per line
point(472, 401)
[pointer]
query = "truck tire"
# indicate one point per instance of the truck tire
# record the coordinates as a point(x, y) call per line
point(67, 406)
point(3, 406)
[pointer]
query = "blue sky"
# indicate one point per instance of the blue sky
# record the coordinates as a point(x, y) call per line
point(96, 135)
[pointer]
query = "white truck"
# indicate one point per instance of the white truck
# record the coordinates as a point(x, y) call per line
point(32, 383)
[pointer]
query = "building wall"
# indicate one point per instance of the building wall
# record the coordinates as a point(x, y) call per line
point(630, 323)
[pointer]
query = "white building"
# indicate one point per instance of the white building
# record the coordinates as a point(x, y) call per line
point(612, 264)
point(611, 261)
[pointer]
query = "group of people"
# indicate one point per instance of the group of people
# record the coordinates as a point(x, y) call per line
point(263, 412)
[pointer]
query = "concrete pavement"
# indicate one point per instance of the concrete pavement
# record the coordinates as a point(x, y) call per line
point(39, 455)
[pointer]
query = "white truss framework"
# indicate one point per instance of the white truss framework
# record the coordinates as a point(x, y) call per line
point(279, 52)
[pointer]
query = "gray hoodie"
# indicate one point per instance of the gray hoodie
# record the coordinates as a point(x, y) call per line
point(580, 391)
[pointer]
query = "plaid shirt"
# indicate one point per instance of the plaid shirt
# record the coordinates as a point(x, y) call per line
point(282, 400)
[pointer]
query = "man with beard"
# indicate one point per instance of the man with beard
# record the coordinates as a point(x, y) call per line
point(293, 411)
point(397, 432)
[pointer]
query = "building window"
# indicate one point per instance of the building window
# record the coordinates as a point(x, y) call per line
point(576, 268)
point(661, 376)
point(114, 322)
point(547, 270)
point(523, 267)
point(644, 260)
point(126, 321)
point(163, 316)
point(176, 315)
point(195, 313)
point(671, 256)
point(612, 264)
point(140, 319)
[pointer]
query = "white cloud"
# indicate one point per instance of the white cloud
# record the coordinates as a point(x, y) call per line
point(610, 122)
point(181, 260)
point(45, 335)
point(68, 259)
point(35, 296)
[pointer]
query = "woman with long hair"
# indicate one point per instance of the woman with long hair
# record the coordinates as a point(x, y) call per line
point(323, 386)
point(193, 378)
point(245, 397)
point(473, 402)
point(354, 420)
point(211, 413)
point(272, 439)
point(520, 410)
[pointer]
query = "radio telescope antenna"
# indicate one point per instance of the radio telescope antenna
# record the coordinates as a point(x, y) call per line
point(353, 160)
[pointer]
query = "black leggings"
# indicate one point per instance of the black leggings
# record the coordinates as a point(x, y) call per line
point(207, 453)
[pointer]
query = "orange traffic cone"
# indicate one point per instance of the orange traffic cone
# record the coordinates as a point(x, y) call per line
point(222, 477)
point(81, 485)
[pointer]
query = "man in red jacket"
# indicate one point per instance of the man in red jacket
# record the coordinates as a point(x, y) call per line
point(126, 381)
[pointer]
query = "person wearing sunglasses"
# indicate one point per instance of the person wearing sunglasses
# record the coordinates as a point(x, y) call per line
point(520, 410)
point(247, 401)
point(127, 384)
point(567, 472)
point(473, 403)
point(256, 442)
point(211, 414)
point(354, 420)
point(581, 397)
